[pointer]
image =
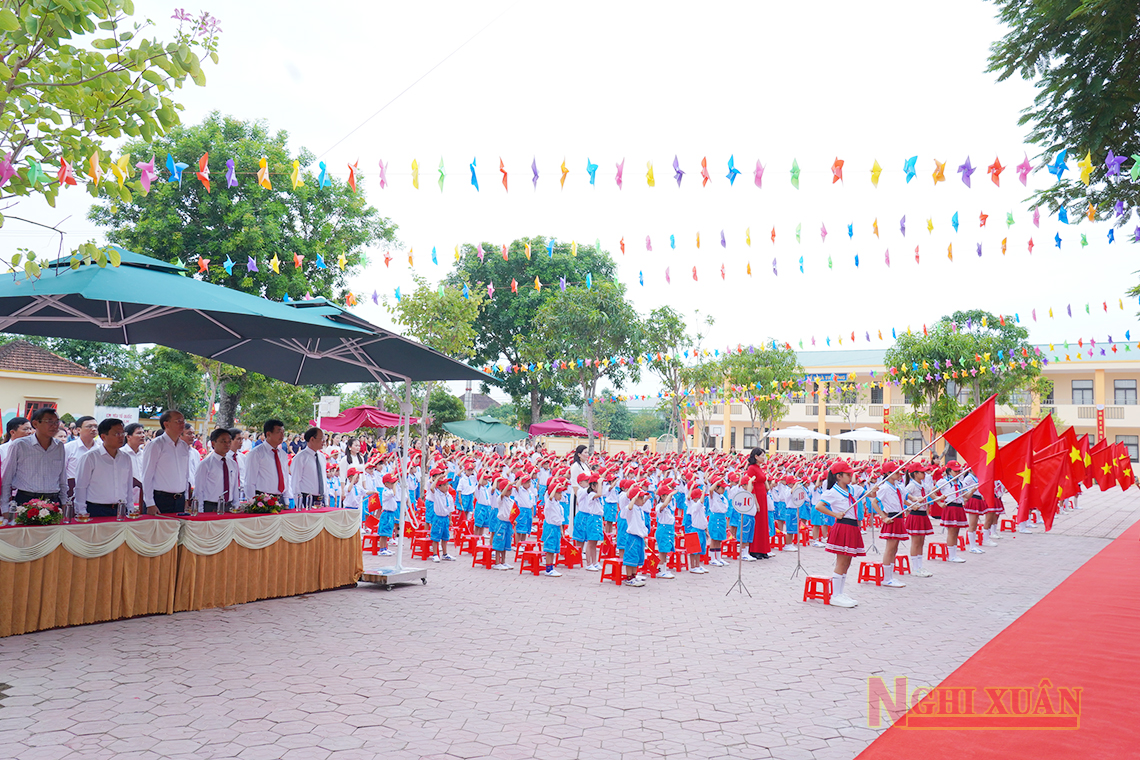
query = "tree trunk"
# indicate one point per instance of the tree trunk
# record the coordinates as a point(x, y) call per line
point(535, 404)
point(588, 412)
point(230, 390)
point(423, 418)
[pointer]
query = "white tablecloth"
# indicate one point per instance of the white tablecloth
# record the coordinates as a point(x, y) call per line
point(148, 537)
point(212, 536)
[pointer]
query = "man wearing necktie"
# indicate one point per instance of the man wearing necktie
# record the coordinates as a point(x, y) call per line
point(269, 464)
point(215, 481)
point(308, 480)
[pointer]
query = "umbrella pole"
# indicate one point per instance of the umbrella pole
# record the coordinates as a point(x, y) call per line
point(404, 459)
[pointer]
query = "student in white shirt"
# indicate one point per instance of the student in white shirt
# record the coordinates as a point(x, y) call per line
point(666, 519)
point(891, 497)
point(389, 509)
point(917, 522)
point(552, 525)
point(104, 476)
point(501, 526)
point(353, 497)
point(843, 539)
point(698, 524)
point(166, 466)
point(442, 507)
point(238, 457)
point(634, 556)
point(216, 480)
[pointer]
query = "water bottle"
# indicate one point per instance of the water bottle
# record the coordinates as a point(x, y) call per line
point(68, 510)
point(121, 511)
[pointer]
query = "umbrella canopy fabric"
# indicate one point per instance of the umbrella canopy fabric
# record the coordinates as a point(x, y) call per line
point(797, 433)
point(559, 426)
point(362, 416)
point(145, 300)
point(484, 430)
point(868, 434)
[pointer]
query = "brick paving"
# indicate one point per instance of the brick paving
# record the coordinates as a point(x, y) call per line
point(490, 664)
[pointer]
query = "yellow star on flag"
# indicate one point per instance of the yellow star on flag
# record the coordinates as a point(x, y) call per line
point(1026, 475)
point(1075, 455)
point(1107, 468)
point(990, 447)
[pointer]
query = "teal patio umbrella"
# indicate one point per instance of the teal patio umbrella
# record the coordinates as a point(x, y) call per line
point(484, 430)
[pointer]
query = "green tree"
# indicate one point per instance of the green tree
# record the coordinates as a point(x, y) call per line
point(440, 318)
point(247, 221)
point(267, 398)
point(79, 72)
point(167, 379)
point(596, 326)
point(613, 419)
point(1084, 57)
point(942, 373)
point(443, 407)
point(766, 375)
point(666, 336)
point(647, 424)
point(506, 323)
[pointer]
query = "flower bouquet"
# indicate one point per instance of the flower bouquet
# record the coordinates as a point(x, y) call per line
point(262, 504)
point(39, 512)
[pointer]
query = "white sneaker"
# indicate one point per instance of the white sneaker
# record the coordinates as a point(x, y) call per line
point(989, 542)
point(448, 558)
point(505, 567)
point(956, 560)
point(976, 550)
point(666, 574)
point(698, 570)
point(592, 568)
point(386, 552)
point(838, 600)
point(922, 572)
point(790, 548)
point(435, 558)
point(636, 583)
point(894, 583)
point(496, 567)
point(748, 557)
point(552, 574)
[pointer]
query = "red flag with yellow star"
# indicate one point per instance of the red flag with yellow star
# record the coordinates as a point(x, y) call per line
point(1123, 466)
point(1086, 459)
point(1014, 462)
point(1076, 456)
point(1044, 433)
point(1045, 487)
point(1103, 465)
point(974, 437)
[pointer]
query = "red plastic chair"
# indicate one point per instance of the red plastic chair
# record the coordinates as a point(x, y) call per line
point(370, 537)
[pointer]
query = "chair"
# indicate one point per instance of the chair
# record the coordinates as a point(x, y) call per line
point(1007, 526)
point(370, 537)
point(818, 587)
point(467, 543)
point(731, 548)
point(482, 555)
point(611, 570)
point(937, 551)
point(531, 560)
point(421, 548)
point(871, 572)
point(902, 564)
point(678, 561)
point(570, 556)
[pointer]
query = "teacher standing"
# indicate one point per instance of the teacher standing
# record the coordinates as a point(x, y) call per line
point(757, 482)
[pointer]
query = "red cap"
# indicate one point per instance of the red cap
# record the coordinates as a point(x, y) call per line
point(352, 471)
point(840, 466)
point(389, 479)
point(695, 494)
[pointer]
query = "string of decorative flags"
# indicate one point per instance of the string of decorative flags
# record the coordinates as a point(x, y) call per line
point(148, 171)
point(895, 376)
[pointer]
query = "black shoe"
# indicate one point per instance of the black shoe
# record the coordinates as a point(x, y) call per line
point(760, 555)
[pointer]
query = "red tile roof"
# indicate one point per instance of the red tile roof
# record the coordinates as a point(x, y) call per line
point(22, 356)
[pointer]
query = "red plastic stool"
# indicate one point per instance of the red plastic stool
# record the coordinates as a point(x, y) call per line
point(804, 536)
point(1007, 526)
point(961, 542)
point(468, 543)
point(731, 548)
point(1033, 517)
point(372, 540)
point(938, 551)
point(525, 546)
point(818, 587)
point(779, 541)
point(421, 548)
point(532, 561)
point(482, 555)
point(678, 561)
point(902, 564)
point(611, 570)
point(871, 571)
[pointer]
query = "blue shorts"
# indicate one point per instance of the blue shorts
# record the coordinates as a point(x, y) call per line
point(551, 538)
point(594, 530)
point(579, 532)
point(718, 526)
point(440, 528)
point(634, 551)
point(525, 521)
point(622, 534)
point(609, 511)
point(805, 511)
point(791, 520)
point(733, 517)
point(501, 541)
point(482, 515)
point(466, 502)
point(387, 524)
point(429, 508)
point(665, 539)
point(819, 518)
point(772, 521)
point(747, 528)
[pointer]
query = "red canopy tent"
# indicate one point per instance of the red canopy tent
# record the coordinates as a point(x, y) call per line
point(361, 416)
point(558, 426)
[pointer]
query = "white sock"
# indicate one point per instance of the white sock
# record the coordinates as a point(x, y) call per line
point(837, 582)
point(952, 551)
point(888, 572)
point(916, 560)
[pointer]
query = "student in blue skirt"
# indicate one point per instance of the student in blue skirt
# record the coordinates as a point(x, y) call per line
point(501, 524)
point(666, 522)
point(717, 504)
point(634, 556)
point(590, 503)
point(612, 490)
point(483, 500)
point(389, 510)
point(552, 525)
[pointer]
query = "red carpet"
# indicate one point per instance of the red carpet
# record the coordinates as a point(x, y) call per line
point(1085, 635)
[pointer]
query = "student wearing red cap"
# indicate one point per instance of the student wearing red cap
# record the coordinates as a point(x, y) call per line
point(666, 521)
point(634, 556)
point(844, 539)
point(892, 507)
point(696, 533)
point(465, 487)
point(524, 498)
point(954, 512)
point(552, 525)
point(442, 507)
point(718, 521)
point(389, 509)
point(917, 522)
point(501, 523)
point(590, 507)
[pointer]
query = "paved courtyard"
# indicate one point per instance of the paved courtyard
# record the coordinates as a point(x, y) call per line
point(490, 664)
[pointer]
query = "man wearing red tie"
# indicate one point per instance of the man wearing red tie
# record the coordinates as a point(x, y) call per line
point(268, 468)
point(216, 481)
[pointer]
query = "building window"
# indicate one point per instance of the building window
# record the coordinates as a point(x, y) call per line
point(1082, 392)
point(876, 447)
point(796, 444)
point(732, 441)
point(912, 442)
point(30, 407)
point(1132, 443)
point(1124, 392)
point(876, 395)
point(751, 437)
point(846, 447)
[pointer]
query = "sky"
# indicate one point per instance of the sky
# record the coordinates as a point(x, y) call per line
point(646, 82)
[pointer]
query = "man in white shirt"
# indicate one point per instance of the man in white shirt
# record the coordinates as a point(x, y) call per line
point(136, 436)
point(308, 482)
point(104, 475)
point(166, 466)
point(37, 465)
point(194, 459)
point(268, 467)
point(238, 457)
point(88, 431)
point(216, 479)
